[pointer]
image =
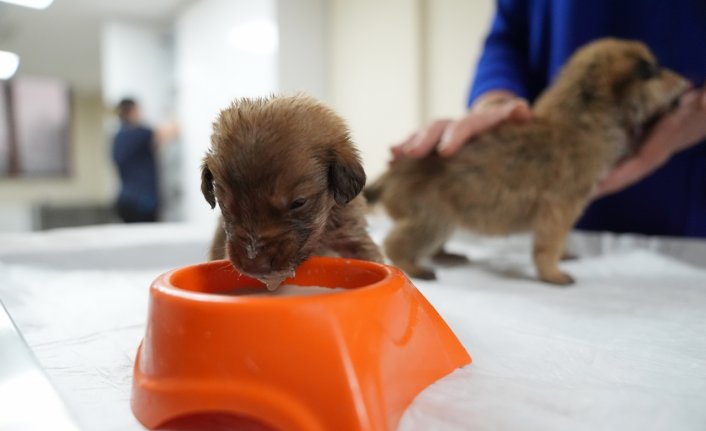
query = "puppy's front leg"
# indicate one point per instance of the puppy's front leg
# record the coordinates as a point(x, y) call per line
point(553, 223)
point(413, 239)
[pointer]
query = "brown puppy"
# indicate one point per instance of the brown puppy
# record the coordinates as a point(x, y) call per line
point(535, 176)
point(287, 179)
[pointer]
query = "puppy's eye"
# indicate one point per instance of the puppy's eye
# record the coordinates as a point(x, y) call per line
point(297, 203)
point(646, 70)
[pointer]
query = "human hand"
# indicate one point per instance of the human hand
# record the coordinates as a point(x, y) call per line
point(447, 136)
point(681, 129)
point(166, 133)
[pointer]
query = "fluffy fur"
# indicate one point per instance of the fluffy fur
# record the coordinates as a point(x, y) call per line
point(287, 178)
point(536, 176)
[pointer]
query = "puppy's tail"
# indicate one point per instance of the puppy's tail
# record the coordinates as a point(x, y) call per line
point(372, 192)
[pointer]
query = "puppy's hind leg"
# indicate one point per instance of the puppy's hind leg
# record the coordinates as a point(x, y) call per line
point(414, 239)
point(552, 224)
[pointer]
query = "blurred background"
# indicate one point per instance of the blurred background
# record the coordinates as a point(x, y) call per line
point(386, 66)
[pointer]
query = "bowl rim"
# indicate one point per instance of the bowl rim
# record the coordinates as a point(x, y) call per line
point(391, 279)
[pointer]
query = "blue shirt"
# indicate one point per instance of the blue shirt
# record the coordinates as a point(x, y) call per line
point(133, 154)
point(530, 40)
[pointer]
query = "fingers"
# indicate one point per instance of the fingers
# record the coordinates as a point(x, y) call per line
point(420, 143)
point(690, 99)
point(427, 139)
point(520, 111)
point(628, 173)
point(448, 136)
point(472, 124)
point(398, 150)
point(619, 178)
point(460, 131)
point(651, 156)
point(673, 133)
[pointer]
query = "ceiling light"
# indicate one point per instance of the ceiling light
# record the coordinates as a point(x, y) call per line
point(34, 4)
point(8, 64)
point(258, 37)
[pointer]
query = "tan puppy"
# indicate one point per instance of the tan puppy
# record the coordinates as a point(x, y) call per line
point(287, 179)
point(535, 176)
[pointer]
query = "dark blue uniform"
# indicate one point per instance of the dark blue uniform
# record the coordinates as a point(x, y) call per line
point(134, 156)
point(531, 39)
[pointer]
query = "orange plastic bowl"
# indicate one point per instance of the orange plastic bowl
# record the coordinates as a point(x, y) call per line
point(349, 360)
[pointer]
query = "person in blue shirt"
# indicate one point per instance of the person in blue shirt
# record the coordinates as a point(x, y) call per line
point(659, 191)
point(134, 156)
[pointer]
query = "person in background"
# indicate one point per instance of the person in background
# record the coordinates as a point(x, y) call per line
point(134, 154)
point(659, 191)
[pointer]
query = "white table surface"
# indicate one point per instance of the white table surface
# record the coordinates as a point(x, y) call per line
point(623, 349)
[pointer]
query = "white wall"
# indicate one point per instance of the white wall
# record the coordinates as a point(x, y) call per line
point(136, 62)
point(375, 72)
point(91, 177)
point(16, 217)
point(455, 31)
point(397, 64)
point(210, 73)
point(387, 67)
point(212, 69)
point(302, 56)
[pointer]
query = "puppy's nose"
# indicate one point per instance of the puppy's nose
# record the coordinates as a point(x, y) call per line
point(258, 266)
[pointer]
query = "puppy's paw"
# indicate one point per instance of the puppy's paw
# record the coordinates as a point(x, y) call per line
point(443, 257)
point(421, 273)
point(569, 256)
point(557, 278)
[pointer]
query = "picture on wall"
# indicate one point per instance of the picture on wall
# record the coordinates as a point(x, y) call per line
point(35, 119)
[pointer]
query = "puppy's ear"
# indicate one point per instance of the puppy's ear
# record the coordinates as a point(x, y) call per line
point(207, 185)
point(345, 173)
